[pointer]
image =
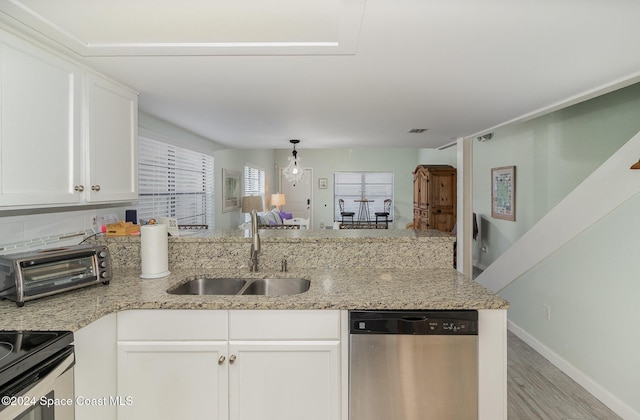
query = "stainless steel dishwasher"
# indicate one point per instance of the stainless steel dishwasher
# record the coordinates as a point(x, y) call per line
point(413, 365)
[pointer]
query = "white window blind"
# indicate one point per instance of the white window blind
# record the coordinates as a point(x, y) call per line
point(254, 180)
point(174, 182)
point(350, 186)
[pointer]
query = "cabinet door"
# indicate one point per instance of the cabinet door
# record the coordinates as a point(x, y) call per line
point(113, 142)
point(40, 151)
point(284, 380)
point(442, 221)
point(421, 220)
point(423, 198)
point(442, 200)
point(416, 218)
point(416, 188)
point(421, 189)
point(173, 380)
point(95, 369)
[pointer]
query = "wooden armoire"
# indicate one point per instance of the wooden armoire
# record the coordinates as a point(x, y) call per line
point(434, 197)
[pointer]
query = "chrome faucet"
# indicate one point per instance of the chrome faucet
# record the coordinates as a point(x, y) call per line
point(255, 242)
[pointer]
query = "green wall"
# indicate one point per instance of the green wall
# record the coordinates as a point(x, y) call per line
point(400, 161)
point(552, 155)
point(324, 162)
point(236, 159)
point(591, 283)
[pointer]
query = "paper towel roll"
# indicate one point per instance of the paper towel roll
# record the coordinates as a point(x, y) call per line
point(154, 251)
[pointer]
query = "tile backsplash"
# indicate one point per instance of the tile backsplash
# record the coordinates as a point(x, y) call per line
point(47, 229)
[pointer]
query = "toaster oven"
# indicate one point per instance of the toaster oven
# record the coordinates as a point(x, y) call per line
point(31, 275)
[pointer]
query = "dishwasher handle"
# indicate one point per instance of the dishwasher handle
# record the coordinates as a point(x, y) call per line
point(414, 318)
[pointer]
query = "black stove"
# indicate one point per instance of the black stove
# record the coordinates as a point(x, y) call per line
point(22, 352)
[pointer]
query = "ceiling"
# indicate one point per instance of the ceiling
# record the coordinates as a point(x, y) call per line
point(345, 73)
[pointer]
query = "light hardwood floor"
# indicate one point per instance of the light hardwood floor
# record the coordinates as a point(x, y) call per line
point(536, 389)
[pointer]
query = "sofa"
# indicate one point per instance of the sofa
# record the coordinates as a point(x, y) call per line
point(275, 219)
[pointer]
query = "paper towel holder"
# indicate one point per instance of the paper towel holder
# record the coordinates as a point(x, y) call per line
point(154, 252)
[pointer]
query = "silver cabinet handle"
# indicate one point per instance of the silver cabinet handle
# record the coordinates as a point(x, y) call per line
point(79, 188)
point(232, 358)
point(95, 187)
point(221, 360)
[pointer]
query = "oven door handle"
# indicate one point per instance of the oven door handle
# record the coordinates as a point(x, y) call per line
point(40, 389)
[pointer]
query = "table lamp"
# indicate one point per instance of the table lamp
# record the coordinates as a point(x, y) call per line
point(251, 203)
point(278, 200)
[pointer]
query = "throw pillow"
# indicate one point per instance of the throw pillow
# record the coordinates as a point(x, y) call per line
point(276, 216)
point(286, 216)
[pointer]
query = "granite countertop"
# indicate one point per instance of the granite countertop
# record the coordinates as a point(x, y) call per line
point(297, 235)
point(330, 289)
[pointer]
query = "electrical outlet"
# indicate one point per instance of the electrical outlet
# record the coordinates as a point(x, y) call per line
point(546, 312)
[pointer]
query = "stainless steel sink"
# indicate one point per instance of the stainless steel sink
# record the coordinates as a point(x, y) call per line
point(209, 286)
point(277, 287)
point(241, 286)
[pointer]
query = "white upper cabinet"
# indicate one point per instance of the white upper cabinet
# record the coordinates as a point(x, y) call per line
point(67, 135)
point(40, 137)
point(112, 128)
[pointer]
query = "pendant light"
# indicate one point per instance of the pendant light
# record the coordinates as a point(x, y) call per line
point(293, 172)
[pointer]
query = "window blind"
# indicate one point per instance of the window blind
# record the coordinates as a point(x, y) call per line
point(350, 186)
point(174, 182)
point(254, 184)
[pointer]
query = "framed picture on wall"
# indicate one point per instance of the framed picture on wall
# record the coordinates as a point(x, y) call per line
point(231, 186)
point(503, 193)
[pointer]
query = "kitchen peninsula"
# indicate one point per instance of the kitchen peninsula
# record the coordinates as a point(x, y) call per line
point(377, 269)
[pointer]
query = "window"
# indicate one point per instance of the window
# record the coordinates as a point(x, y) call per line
point(174, 182)
point(350, 186)
point(254, 180)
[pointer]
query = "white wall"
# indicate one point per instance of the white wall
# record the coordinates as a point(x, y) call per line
point(161, 130)
point(552, 155)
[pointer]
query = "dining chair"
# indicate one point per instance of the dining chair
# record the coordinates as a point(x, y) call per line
point(343, 213)
point(385, 213)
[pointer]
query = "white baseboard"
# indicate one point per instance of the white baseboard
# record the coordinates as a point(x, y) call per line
point(607, 398)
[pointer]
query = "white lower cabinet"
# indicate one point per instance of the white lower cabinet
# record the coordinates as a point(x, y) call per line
point(94, 372)
point(172, 380)
point(284, 380)
point(237, 365)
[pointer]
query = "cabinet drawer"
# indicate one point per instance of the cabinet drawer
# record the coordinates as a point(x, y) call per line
point(154, 324)
point(284, 325)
